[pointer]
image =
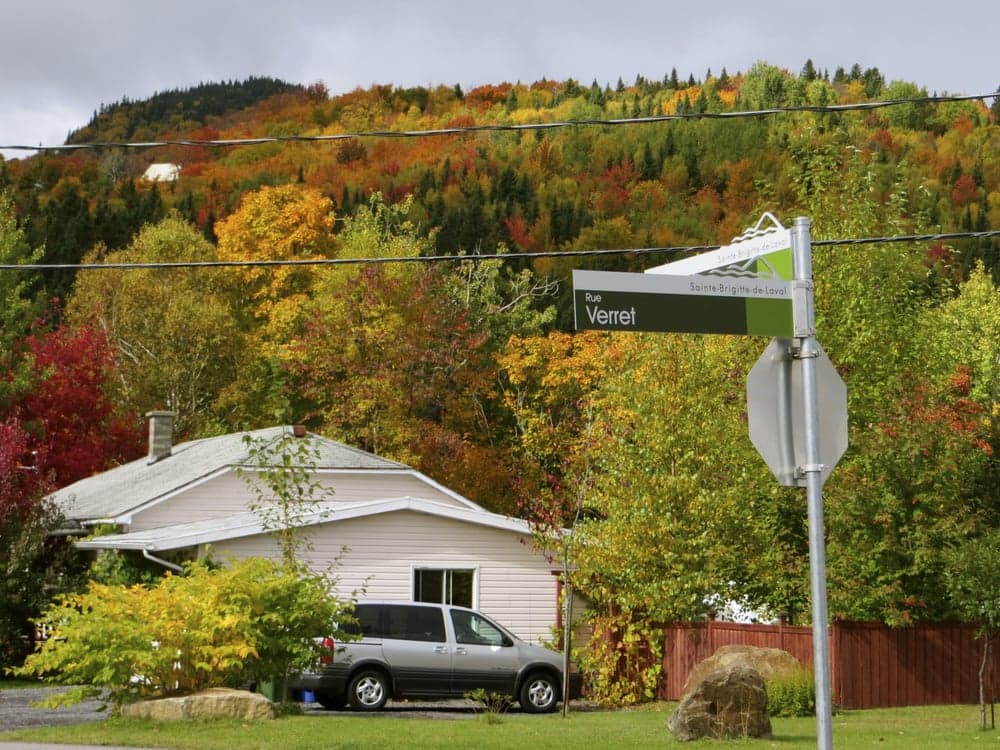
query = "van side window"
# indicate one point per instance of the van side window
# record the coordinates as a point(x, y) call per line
point(368, 621)
point(411, 623)
point(470, 628)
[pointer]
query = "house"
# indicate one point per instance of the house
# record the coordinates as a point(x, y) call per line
point(394, 533)
point(162, 172)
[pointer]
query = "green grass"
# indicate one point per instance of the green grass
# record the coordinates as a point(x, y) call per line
point(925, 728)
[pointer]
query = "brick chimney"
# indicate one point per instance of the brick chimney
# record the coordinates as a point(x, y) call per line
point(161, 434)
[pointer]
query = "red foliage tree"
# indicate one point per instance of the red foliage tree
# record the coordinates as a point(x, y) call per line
point(965, 191)
point(21, 480)
point(74, 427)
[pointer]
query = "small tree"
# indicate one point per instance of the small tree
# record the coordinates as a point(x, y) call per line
point(974, 588)
point(287, 492)
point(285, 488)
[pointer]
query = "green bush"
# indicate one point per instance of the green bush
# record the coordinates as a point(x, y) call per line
point(492, 706)
point(211, 627)
point(792, 695)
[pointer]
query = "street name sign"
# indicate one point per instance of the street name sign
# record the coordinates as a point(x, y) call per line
point(698, 303)
point(757, 252)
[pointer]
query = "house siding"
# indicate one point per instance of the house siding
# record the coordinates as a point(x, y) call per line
point(228, 493)
point(515, 584)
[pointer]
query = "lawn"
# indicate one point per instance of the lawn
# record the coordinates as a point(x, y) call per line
point(926, 728)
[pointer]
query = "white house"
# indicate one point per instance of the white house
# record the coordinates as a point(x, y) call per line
point(164, 172)
point(394, 532)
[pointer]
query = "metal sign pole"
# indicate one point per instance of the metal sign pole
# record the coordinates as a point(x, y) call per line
point(808, 350)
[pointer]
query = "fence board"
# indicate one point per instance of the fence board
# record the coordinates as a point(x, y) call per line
point(871, 665)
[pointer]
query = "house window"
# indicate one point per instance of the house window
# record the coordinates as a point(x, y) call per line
point(444, 586)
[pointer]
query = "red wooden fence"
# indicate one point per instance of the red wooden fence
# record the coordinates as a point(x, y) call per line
point(871, 665)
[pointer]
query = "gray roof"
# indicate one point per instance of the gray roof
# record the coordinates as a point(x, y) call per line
point(118, 491)
point(240, 525)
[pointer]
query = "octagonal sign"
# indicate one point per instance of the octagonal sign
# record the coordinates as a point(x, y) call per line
point(775, 409)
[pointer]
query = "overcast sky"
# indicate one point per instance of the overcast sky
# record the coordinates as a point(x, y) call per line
point(59, 60)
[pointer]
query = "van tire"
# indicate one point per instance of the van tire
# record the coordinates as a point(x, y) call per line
point(539, 693)
point(368, 690)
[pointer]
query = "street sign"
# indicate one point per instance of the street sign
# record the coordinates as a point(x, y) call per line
point(757, 252)
point(774, 405)
point(617, 301)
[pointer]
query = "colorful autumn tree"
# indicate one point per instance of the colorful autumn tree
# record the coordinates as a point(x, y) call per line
point(62, 426)
point(286, 223)
point(549, 384)
point(176, 339)
point(276, 224)
point(77, 425)
point(398, 359)
point(923, 476)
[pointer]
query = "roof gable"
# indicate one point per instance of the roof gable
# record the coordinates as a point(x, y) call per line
point(115, 493)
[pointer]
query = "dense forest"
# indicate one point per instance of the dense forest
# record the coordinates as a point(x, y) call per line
point(468, 369)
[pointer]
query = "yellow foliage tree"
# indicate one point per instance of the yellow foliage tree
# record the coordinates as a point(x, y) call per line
point(283, 223)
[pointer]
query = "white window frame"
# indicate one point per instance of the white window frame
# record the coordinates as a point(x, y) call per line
point(474, 569)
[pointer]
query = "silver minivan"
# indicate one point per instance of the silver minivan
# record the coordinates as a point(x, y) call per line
point(432, 651)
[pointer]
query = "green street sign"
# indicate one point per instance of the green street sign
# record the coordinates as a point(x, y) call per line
point(615, 301)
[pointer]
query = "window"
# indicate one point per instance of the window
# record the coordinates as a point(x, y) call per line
point(410, 623)
point(398, 621)
point(443, 586)
point(471, 628)
point(368, 623)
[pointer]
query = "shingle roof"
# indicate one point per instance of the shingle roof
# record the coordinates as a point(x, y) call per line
point(118, 491)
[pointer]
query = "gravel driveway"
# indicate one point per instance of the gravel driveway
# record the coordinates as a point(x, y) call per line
point(17, 711)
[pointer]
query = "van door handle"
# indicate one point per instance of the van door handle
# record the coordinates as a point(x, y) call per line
point(461, 651)
point(441, 649)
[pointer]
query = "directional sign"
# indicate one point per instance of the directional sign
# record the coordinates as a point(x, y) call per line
point(740, 253)
point(755, 252)
point(615, 301)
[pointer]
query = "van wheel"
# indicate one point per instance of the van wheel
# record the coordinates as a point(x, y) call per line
point(330, 701)
point(368, 690)
point(539, 694)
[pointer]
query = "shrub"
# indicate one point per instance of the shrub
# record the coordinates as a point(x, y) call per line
point(793, 694)
point(207, 628)
point(490, 705)
point(622, 663)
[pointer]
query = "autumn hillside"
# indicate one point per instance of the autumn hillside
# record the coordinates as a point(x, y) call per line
point(470, 370)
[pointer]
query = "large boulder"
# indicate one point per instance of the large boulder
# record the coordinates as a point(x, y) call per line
point(767, 662)
point(726, 703)
point(214, 702)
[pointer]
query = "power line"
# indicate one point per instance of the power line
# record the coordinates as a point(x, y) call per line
point(501, 127)
point(477, 257)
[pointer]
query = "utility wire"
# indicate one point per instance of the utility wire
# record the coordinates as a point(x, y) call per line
point(500, 127)
point(473, 257)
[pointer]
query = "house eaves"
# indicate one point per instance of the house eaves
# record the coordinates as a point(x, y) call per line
point(241, 525)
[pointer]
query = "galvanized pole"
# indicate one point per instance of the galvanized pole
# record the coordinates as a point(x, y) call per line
point(808, 349)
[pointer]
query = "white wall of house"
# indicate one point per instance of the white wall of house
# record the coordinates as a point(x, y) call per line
point(228, 493)
point(514, 582)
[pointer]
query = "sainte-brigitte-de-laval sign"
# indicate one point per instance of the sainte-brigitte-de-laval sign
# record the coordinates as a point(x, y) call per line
point(743, 288)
